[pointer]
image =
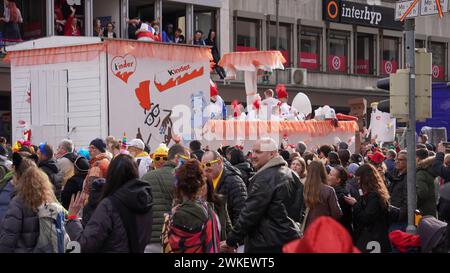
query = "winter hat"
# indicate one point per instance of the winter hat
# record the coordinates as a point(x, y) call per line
point(99, 144)
point(377, 157)
point(81, 164)
point(85, 153)
point(162, 150)
point(281, 91)
point(213, 91)
point(324, 235)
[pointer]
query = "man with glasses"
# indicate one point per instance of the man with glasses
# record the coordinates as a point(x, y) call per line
point(274, 204)
point(98, 165)
point(162, 182)
point(226, 181)
point(397, 191)
point(65, 158)
point(136, 149)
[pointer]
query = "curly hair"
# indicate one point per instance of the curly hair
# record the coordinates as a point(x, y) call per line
point(33, 185)
point(370, 180)
point(190, 179)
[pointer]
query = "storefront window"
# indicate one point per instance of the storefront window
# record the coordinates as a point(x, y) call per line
point(364, 54)
point(438, 68)
point(247, 34)
point(33, 25)
point(284, 42)
point(390, 56)
point(309, 51)
point(69, 17)
point(338, 51)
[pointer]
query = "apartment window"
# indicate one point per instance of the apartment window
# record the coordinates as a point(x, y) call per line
point(338, 44)
point(284, 40)
point(33, 15)
point(247, 34)
point(205, 19)
point(390, 55)
point(438, 51)
point(65, 23)
point(365, 49)
point(309, 48)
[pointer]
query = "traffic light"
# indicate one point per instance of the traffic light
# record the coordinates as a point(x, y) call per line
point(398, 85)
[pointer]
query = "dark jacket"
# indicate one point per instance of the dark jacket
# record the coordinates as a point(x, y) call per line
point(224, 219)
point(6, 190)
point(399, 198)
point(95, 194)
point(20, 228)
point(246, 171)
point(390, 164)
point(265, 220)
point(50, 167)
point(105, 231)
point(73, 186)
point(162, 182)
point(426, 194)
point(370, 222)
point(346, 219)
point(233, 188)
point(440, 169)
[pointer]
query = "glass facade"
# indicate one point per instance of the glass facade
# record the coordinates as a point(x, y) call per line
point(247, 35)
point(365, 48)
point(310, 48)
point(390, 55)
point(284, 40)
point(338, 44)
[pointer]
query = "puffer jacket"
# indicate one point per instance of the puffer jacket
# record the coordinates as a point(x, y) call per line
point(6, 190)
point(20, 228)
point(105, 231)
point(233, 188)
point(347, 216)
point(50, 167)
point(162, 182)
point(399, 198)
point(246, 171)
point(266, 220)
point(73, 185)
point(426, 198)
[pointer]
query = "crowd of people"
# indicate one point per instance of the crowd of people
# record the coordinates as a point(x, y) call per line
point(121, 197)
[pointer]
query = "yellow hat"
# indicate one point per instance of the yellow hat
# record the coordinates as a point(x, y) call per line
point(162, 150)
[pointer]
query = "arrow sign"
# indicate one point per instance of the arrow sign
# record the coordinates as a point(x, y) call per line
point(406, 9)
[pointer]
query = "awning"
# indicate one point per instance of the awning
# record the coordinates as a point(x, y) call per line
point(252, 61)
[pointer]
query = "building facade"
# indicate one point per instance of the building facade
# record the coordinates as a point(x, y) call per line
point(344, 46)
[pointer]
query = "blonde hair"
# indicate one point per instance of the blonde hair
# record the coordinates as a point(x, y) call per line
point(315, 178)
point(33, 185)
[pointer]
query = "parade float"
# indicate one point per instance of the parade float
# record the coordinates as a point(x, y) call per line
point(85, 87)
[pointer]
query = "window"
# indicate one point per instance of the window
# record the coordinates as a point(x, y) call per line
point(309, 48)
point(247, 35)
point(204, 19)
point(390, 55)
point(67, 25)
point(174, 14)
point(338, 51)
point(284, 42)
point(438, 50)
point(420, 44)
point(107, 11)
point(364, 54)
point(33, 15)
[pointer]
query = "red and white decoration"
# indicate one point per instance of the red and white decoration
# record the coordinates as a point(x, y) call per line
point(337, 63)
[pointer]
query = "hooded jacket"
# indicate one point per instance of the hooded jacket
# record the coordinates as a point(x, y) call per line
point(426, 194)
point(50, 167)
point(105, 231)
point(275, 201)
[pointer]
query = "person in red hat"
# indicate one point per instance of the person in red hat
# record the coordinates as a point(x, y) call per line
point(325, 235)
point(287, 112)
point(377, 160)
point(217, 106)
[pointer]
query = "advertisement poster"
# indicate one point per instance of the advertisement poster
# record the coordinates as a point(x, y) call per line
point(388, 67)
point(337, 63)
point(438, 72)
point(362, 66)
point(151, 95)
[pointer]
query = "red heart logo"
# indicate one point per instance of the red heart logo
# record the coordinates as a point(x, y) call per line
point(143, 95)
point(123, 67)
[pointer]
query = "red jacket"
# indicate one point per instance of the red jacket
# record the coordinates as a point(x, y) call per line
point(69, 30)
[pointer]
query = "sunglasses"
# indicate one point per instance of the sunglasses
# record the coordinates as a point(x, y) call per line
point(210, 163)
point(183, 157)
point(158, 158)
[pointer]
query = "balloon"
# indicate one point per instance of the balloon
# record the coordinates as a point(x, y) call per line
point(302, 103)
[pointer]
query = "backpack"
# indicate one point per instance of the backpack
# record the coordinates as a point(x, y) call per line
point(71, 156)
point(206, 239)
point(52, 234)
